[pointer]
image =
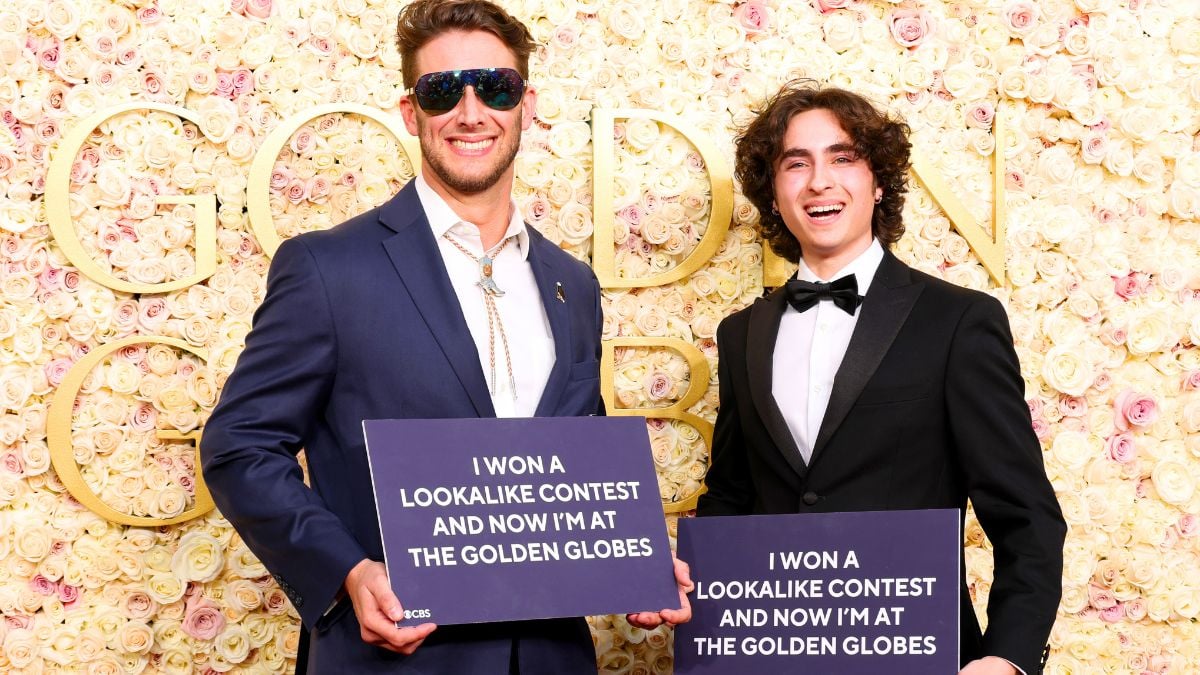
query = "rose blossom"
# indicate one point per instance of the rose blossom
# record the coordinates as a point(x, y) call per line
point(1021, 17)
point(910, 26)
point(202, 620)
point(753, 16)
point(1134, 409)
point(827, 6)
point(1121, 448)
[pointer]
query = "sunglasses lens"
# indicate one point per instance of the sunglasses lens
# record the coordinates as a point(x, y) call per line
point(497, 88)
point(438, 93)
point(500, 88)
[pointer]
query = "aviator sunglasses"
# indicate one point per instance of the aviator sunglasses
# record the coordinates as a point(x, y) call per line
point(497, 88)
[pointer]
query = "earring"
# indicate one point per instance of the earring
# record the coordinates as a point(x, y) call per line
point(774, 209)
point(878, 197)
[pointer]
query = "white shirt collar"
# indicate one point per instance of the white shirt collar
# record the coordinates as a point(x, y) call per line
point(863, 268)
point(443, 219)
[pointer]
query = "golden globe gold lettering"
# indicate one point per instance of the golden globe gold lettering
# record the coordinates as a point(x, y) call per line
point(697, 385)
point(58, 209)
point(58, 437)
point(258, 207)
point(989, 249)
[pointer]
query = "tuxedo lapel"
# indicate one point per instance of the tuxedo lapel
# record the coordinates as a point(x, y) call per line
point(554, 300)
point(414, 254)
point(884, 309)
point(760, 341)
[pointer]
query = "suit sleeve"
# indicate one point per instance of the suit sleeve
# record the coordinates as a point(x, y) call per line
point(1006, 481)
point(248, 451)
point(730, 487)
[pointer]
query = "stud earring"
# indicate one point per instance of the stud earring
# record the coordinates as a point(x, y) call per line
point(878, 197)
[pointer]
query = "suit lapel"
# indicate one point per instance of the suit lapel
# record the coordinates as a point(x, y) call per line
point(415, 255)
point(548, 278)
point(760, 340)
point(885, 307)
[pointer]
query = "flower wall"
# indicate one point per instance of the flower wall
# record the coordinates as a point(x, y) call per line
point(1101, 99)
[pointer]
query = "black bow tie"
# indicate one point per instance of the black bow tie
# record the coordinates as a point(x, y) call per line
point(843, 292)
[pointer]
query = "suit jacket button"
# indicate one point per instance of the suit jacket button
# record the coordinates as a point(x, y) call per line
point(810, 498)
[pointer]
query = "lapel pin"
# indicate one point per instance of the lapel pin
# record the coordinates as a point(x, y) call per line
point(558, 292)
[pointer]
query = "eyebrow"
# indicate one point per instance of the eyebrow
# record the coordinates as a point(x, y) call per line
point(834, 149)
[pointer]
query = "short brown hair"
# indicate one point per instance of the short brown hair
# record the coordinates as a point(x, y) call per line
point(878, 138)
point(423, 20)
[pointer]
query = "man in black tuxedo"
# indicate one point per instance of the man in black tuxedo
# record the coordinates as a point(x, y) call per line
point(865, 385)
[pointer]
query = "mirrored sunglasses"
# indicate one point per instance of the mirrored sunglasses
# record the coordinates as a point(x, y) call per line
point(497, 88)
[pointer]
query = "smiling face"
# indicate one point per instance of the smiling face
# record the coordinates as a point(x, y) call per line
point(824, 191)
point(469, 149)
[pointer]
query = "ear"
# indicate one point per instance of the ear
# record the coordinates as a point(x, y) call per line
point(409, 112)
point(878, 195)
point(528, 107)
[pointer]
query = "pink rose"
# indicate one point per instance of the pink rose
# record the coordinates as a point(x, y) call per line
point(42, 586)
point(202, 620)
point(1134, 409)
point(149, 14)
point(224, 85)
point(1093, 147)
point(910, 26)
point(1114, 614)
point(67, 593)
point(258, 9)
point(658, 386)
point(1073, 406)
point(1131, 285)
point(1121, 448)
point(1021, 16)
point(56, 370)
point(827, 6)
point(980, 115)
point(753, 16)
point(1192, 380)
point(1101, 598)
point(143, 417)
point(1189, 525)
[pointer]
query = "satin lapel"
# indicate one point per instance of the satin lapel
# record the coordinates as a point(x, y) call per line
point(414, 254)
point(760, 345)
point(559, 314)
point(885, 307)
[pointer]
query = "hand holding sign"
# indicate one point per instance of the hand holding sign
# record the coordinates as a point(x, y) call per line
point(671, 617)
point(378, 610)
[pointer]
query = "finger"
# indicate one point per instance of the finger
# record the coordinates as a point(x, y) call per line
point(408, 639)
point(380, 590)
point(647, 620)
point(683, 576)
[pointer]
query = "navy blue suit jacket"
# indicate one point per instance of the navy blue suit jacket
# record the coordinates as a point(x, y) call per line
point(361, 322)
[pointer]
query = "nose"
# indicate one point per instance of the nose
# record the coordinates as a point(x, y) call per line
point(470, 109)
point(821, 177)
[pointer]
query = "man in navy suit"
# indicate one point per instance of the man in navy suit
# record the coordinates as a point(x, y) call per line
point(441, 303)
point(864, 385)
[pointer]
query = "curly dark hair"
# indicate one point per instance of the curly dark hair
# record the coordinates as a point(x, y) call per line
point(423, 20)
point(877, 137)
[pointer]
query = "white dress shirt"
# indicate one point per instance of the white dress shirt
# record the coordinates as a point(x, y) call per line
point(530, 341)
point(809, 349)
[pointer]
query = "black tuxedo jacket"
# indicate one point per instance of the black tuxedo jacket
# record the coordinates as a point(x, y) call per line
point(927, 410)
point(361, 322)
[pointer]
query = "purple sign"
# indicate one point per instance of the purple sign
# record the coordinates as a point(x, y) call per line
point(848, 593)
point(509, 519)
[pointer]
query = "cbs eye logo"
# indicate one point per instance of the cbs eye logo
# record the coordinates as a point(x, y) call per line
point(417, 614)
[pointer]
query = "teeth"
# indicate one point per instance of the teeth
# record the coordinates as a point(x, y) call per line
point(822, 210)
point(477, 145)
